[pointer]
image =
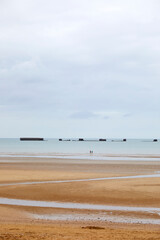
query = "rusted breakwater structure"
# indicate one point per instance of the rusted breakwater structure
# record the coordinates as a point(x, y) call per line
point(31, 139)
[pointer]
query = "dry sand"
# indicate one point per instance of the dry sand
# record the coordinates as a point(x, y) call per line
point(18, 223)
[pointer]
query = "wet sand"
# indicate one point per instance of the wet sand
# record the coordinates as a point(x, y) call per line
point(58, 232)
point(32, 222)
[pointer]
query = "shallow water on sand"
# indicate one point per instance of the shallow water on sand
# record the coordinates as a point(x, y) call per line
point(78, 157)
point(70, 205)
point(96, 217)
point(87, 217)
point(81, 180)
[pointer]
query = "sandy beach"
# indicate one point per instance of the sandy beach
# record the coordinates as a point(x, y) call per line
point(79, 222)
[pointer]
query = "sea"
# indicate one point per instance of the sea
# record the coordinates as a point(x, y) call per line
point(88, 147)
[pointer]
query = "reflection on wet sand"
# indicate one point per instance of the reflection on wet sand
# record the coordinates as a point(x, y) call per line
point(70, 205)
point(81, 180)
point(97, 218)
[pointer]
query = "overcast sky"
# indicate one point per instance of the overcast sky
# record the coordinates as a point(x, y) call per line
point(80, 68)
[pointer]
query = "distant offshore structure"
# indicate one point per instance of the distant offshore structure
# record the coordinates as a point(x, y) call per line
point(84, 140)
point(105, 140)
point(31, 139)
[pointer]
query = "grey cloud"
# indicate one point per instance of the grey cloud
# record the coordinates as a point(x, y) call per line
point(80, 57)
point(83, 115)
point(126, 115)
